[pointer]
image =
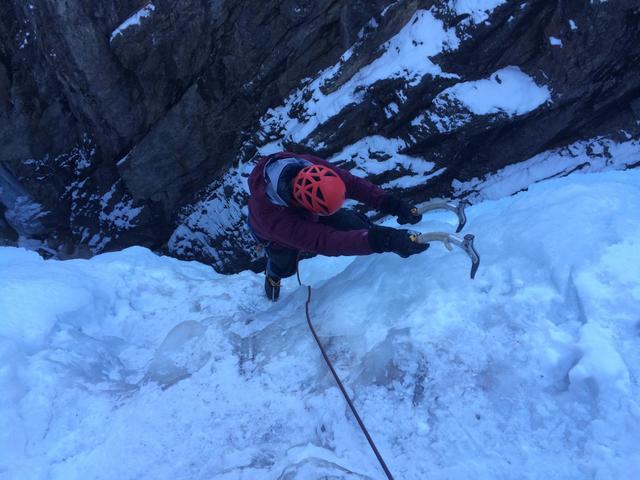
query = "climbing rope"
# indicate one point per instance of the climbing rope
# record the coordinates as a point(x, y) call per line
point(339, 382)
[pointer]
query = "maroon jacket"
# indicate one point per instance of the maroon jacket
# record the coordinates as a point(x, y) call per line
point(296, 228)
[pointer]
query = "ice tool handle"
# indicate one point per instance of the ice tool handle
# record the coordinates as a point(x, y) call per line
point(466, 244)
point(457, 208)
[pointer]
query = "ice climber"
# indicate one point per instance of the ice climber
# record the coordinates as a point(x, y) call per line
point(296, 206)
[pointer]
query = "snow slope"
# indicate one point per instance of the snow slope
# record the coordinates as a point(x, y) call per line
point(131, 365)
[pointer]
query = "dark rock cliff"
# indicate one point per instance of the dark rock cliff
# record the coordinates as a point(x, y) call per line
point(128, 122)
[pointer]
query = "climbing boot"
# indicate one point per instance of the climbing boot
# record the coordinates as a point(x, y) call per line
point(272, 287)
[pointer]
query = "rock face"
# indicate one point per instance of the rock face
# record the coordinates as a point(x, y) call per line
point(129, 122)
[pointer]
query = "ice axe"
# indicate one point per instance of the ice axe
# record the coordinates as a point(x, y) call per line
point(457, 208)
point(466, 243)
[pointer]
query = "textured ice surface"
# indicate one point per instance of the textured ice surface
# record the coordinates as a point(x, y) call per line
point(132, 365)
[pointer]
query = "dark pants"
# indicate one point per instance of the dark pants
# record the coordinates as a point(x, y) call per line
point(282, 261)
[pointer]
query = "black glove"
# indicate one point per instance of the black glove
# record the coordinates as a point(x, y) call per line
point(385, 239)
point(397, 207)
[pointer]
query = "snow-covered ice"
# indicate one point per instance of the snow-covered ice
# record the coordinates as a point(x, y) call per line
point(132, 365)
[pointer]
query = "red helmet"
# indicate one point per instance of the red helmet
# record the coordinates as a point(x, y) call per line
point(319, 189)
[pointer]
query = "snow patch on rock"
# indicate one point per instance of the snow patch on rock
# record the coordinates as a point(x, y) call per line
point(594, 155)
point(134, 20)
point(555, 41)
point(406, 55)
point(218, 216)
point(121, 215)
point(22, 212)
point(479, 10)
point(377, 155)
point(508, 90)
